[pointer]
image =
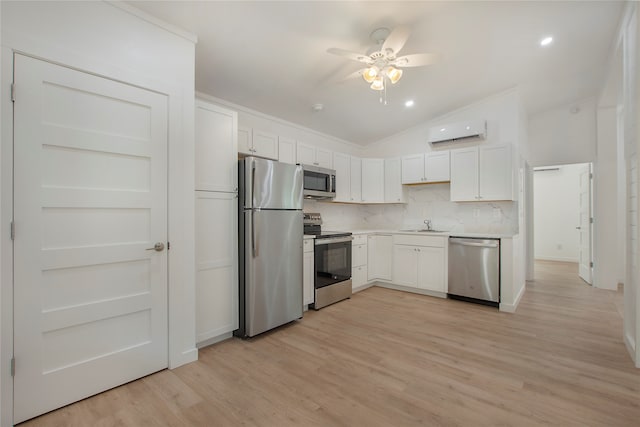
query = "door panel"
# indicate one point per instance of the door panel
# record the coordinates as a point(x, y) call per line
point(90, 303)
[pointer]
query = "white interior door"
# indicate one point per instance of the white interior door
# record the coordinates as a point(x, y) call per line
point(584, 267)
point(90, 189)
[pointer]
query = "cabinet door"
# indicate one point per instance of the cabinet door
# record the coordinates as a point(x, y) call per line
point(413, 169)
point(307, 280)
point(464, 174)
point(245, 140)
point(287, 150)
point(305, 154)
point(358, 255)
point(265, 144)
point(216, 152)
point(356, 179)
point(393, 181)
point(324, 158)
point(431, 269)
point(216, 226)
point(405, 265)
point(495, 173)
point(372, 180)
point(342, 165)
point(380, 257)
point(436, 166)
point(358, 277)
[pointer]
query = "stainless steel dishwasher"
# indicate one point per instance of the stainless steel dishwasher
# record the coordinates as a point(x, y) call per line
point(474, 270)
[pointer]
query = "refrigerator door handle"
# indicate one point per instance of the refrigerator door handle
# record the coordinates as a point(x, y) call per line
point(254, 248)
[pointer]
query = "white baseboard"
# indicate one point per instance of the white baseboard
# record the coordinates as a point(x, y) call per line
point(545, 258)
point(362, 288)
point(187, 356)
point(511, 308)
point(411, 290)
point(214, 340)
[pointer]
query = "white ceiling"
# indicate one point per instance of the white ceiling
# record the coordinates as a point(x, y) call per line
point(271, 56)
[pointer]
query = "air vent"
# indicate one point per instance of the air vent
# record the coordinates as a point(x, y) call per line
point(458, 131)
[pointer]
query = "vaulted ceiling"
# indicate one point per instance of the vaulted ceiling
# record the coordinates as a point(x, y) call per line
point(271, 56)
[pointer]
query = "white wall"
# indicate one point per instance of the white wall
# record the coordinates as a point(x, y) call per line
point(110, 40)
point(605, 227)
point(563, 135)
point(556, 214)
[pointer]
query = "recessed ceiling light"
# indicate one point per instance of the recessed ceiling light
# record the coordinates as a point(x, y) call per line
point(409, 103)
point(546, 41)
point(317, 107)
point(443, 129)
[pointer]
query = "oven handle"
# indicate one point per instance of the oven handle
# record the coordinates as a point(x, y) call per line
point(321, 241)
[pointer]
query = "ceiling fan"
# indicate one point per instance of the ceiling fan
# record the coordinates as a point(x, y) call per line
point(383, 61)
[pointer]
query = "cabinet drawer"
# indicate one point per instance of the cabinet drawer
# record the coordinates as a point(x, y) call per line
point(407, 239)
point(359, 239)
point(358, 255)
point(307, 245)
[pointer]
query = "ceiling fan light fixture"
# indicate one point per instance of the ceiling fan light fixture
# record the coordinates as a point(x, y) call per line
point(394, 74)
point(378, 83)
point(369, 74)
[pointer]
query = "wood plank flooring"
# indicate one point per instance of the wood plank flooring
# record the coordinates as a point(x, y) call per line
point(388, 358)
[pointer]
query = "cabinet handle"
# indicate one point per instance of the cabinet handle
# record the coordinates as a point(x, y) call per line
point(316, 163)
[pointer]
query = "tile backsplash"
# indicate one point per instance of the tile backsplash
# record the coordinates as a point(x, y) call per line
point(423, 202)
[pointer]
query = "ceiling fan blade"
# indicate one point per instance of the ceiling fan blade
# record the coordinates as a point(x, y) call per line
point(353, 75)
point(396, 40)
point(351, 55)
point(416, 60)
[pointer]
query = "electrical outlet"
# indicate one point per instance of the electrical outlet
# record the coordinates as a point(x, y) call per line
point(559, 246)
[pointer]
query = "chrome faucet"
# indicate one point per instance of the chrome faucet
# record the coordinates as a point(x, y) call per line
point(428, 224)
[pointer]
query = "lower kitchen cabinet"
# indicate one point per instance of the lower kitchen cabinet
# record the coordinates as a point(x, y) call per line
point(308, 267)
point(216, 264)
point(380, 256)
point(420, 262)
point(358, 277)
point(359, 262)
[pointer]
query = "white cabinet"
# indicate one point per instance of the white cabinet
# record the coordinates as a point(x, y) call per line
point(342, 166)
point(393, 191)
point(379, 257)
point(356, 179)
point(286, 150)
point(314, 156)
point(308, 273)
point(425, 168)
point(216, 153)
point(255, 142)
point(373, 180)
point(481, 173)
point(216, 264)
point(359, 262)
point(420, 262)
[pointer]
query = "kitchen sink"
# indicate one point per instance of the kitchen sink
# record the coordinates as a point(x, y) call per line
point(424, 230)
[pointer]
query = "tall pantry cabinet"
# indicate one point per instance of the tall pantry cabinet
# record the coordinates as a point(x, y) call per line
point(216, 221)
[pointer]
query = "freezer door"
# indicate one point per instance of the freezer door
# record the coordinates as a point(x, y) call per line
point(273, 269)
point(266, 184)
point(474, 268)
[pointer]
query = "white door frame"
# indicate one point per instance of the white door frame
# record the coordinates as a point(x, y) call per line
point(181, 280)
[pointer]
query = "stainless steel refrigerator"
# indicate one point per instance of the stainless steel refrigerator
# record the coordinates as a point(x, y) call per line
point(270, 244)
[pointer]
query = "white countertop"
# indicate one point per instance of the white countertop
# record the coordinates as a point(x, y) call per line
point(441, 233)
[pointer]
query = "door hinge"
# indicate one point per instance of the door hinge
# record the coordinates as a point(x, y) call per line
point(13, 366)
point(591, 264)
point(168, 245)
point(13, 230)
point(13, 92)
point(591, 220)
point(590, 176)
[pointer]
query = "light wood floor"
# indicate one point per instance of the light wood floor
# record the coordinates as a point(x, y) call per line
point(388, 358)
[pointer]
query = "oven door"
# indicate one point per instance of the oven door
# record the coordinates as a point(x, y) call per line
point(332, 261)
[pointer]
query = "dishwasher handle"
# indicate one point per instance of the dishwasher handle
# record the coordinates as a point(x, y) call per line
point(464, 242)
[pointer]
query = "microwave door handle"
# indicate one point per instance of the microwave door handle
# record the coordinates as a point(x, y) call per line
point(332, 188)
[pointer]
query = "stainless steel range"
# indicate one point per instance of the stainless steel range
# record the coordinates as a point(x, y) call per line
point(332, 256)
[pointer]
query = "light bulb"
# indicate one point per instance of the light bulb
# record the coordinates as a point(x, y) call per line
point(378, 83)
point(370, 74)
point(394, 74)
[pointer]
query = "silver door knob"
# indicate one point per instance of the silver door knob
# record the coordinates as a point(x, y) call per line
point(578, 228)
point(158, 247)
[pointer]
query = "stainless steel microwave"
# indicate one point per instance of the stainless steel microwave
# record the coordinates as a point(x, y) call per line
point(319, 183)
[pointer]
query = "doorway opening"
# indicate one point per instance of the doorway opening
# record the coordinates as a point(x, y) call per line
point(562, 215)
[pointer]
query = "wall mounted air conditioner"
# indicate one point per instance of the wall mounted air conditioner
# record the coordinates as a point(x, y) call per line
point(458, 131)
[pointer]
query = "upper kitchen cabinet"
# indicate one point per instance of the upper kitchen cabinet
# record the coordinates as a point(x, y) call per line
point(310, 155)
point(356, 179)
point(481, 173)
point(287, 150)
point(426, 168)
point(393, 191)
point(216, 131)
point(342, 166)
point(254, 142)
point(373, 180)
